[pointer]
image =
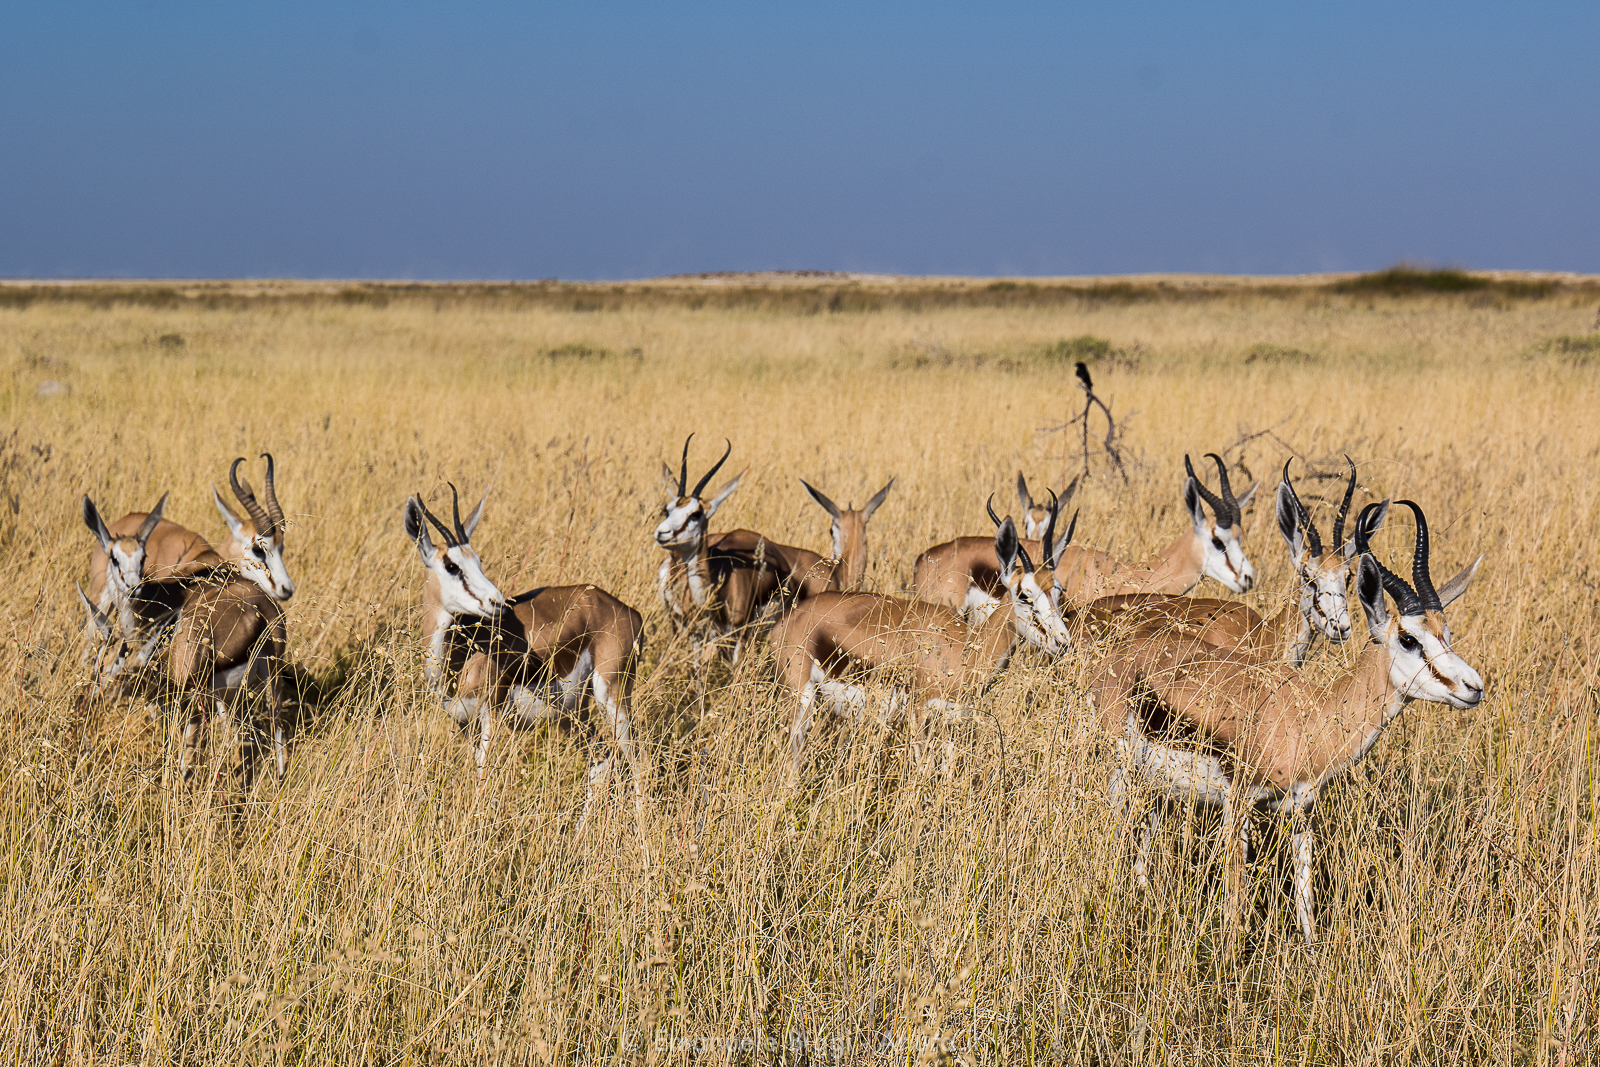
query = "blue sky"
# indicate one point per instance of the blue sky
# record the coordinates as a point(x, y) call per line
point(616, 140)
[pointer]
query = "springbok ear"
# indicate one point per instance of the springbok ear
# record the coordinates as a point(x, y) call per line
point(877, 501)
point(235, 524)
point(1247, 496)
point(1289, 521)
point(1192, 501)
point(1023, 496)
point(669, 480)
point(97, 525)
point(96, 617)
point(1453, 589)
point(417, 530)
point(724, 493)
point(1369, 590)
point(1063, 541)
point(151, 521)
point(821, 498)
point(1005, 545)
point(477, 513)
point(1378, 514)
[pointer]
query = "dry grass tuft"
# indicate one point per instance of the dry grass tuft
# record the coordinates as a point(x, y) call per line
point(379, 908)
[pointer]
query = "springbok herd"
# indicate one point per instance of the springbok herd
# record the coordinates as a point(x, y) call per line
point(1202, 696)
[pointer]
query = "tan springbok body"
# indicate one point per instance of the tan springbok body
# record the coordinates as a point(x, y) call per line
point(848, 530)
point(714, 587)
point(529, 657)
point(825, 641)
point(1200, 725)
point(1320, 606)
point(961, 574)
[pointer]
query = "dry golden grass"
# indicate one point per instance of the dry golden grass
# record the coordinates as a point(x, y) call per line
point(380, 908)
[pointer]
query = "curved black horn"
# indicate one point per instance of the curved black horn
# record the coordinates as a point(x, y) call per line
point(1419, 562)
point(699, 486)
point(1218, 508)
point(271, 494)
point(1227, 490)
point(1313, 539)
point(1405, 598)
point(455, 513)
point(449, 538)
point(247, 497)
point(1047, 546)
point(683, 471)
point(1344, 508)
point(992, 516)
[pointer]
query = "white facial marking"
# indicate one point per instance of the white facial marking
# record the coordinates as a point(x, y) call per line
point(683, 523)
point(1423, 666)
point(1223, 558)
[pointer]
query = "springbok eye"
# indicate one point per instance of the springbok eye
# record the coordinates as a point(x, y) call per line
point(451, 569)
point(261, 554)
point(1409, 643)
point(1216, 543)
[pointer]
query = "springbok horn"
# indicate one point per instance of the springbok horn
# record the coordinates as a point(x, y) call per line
point(1227, 490)
point(683, 471)
point(700, 486)
point(1419, 563)
point(992, 516)
point(455, 513)
point(1218, 508)
point(1405, 598)
point(1344, 508)
point(272, 495)
point(449, 538)
point(247, 497)
point(1313, 539)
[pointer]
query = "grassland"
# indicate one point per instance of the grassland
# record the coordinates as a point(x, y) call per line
point(381, 908)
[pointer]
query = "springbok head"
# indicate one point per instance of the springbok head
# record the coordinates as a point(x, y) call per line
point(1032, 590)
point(686, 515)
point(124, 553)
point(1036, 516)
point(1221, 553)
point(112, 657)
point(1422, 665)
point(256, 546)
point(1323, 575)
point(463, 587)
point(849, 531)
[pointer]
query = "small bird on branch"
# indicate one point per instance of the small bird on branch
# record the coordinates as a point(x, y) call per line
point(1082, 370)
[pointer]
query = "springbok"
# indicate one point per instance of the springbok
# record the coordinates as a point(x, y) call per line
point(531, 656)
point(1036, 516)
point(848, 530)
point(1217, 728)
point(714, 587)
point(1321, 606)
point(825, 640)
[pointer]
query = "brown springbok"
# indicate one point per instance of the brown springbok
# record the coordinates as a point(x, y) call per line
point(825, 641)
point(531, 657)
point(1321, 606)
point(1199, 725)
point(716, 586)
point(848, 531)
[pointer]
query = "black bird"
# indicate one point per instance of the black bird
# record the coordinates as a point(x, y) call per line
point(1083, 376)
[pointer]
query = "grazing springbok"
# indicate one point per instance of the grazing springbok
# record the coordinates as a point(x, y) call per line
point(1204, 726)
point(531, 657)
point(717, 586)
point(825, 641)
point(960, 573)
point(848, 530)
point(1321, 606)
